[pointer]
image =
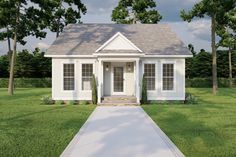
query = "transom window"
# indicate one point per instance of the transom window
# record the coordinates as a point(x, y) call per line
point(87, 75)
point(168, 77)
point(150, 75)
point(69, 77)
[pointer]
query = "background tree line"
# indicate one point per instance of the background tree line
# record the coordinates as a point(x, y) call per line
point(35, 65)
point(28, 65)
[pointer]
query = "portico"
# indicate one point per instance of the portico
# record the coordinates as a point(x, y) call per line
point(118, 77)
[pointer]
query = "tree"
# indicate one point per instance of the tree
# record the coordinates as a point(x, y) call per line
point(25, 20)
point(65, 12)
point(144, 99)
point(133, 11)
point(228, 37)
point(216, 10)
point(94, 90)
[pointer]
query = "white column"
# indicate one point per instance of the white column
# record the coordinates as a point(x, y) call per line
point(99, 80)
point(137, 89)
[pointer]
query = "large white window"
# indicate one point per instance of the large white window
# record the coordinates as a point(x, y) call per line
point(87, 75)
point(168, 77)
point(150, 75)
point(69, 77)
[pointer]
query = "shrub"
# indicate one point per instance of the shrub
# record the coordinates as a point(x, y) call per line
point(83, 102)
point(72, 102)
point(144, 91)
point(190, 99)
point(94, 90)
point(27, 82)
point(47, 100)
point(207, 82)
point(60, 102)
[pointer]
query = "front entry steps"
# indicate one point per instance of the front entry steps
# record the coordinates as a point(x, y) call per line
point(119, 101)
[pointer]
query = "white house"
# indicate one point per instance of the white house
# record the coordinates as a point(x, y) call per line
point(118, 55)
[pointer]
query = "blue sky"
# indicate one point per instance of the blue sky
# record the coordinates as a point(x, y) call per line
point(99, 11)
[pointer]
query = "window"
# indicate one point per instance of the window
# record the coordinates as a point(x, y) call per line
point(168, 77)
point(69, 77)
point(87, 75)
point(149, 73)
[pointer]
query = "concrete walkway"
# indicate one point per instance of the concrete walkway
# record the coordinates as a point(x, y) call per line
point(120, 132)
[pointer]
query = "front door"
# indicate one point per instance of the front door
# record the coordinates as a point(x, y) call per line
point(118, 80)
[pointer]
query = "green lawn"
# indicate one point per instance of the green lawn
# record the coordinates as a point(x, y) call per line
point(31, 129)
point(207, 129)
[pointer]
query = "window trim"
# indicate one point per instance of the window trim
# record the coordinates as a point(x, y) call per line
point(81, 73)
point(62, 74)
point(174, 77)
point(143, 71)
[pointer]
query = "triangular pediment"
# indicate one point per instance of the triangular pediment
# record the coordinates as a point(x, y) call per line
point(119, 42)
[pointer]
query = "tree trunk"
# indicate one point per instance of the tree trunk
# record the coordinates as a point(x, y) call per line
point(9, 46)
point(11, 77)
point(58, 22)
point(214, 55)
point(230, 68)
point(58, 27)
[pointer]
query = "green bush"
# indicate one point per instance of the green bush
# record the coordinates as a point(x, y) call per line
point(83, 102)
point(207, 82)
point(73, 102)
point(47, 100)
point(94, 90)
point(144, 91)
point(27, 82)
point(60, 102)
point(190, 99)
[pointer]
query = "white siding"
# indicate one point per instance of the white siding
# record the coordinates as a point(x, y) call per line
point(57, 80)
point(59, 94)
point(179, 82)
point(119, 43)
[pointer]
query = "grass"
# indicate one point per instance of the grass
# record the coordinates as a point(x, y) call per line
point(29, 128)
point(206, 129)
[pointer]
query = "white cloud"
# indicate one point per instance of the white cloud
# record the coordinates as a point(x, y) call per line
point(200, 29)
point(42, 45)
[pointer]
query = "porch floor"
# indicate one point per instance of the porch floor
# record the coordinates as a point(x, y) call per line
point(119, 100)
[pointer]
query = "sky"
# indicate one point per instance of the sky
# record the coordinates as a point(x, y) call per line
point(99, 11)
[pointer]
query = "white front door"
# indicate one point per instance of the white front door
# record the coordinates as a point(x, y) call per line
point(118, 80)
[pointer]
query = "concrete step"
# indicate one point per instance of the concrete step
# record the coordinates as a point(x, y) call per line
point(118, 104)
point(119, 100)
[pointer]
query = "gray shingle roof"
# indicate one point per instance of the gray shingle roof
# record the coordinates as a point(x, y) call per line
point(85, 39)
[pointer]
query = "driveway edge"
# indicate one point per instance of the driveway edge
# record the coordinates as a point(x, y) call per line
point(165, 138)
point(67, 151)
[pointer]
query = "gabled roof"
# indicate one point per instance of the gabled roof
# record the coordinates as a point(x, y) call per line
point(112, 41)
point(85, 39)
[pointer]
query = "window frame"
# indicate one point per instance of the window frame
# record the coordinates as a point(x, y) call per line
point(63, 89)
point(155, 78)
point(82, 77)
point(174, 75)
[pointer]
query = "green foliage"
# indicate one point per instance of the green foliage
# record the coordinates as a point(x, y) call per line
point(144, 91)
point(27, 82)
point(29, 65)
point(200, 65)
point(72, 102)
point(207, 82)
point(83, 102)
point(64, 13)
point(132, 11)
point(60, 102)
point(94, 90)
point(190, 99)
point(47, 100)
